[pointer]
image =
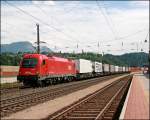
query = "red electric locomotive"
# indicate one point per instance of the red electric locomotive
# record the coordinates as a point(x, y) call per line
point(38, 69)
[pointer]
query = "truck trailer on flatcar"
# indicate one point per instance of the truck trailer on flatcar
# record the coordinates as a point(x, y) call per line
point(97, 69)
point(84, 68)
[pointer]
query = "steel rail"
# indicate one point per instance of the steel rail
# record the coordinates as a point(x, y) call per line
point(94, 105)
point(18, 103)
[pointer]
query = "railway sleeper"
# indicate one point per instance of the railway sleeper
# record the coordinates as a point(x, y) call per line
point(86, 111)
point(92, 107)
point(109, 114)
point(112, 109)
point(79, 118)
point(82, 115)
point(89, 109)
point(107, 118)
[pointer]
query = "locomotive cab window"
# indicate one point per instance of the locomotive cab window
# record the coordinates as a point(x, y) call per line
point(43, 62)
point(29, 62)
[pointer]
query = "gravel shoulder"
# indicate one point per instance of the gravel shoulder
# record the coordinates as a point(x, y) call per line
point(43, 110)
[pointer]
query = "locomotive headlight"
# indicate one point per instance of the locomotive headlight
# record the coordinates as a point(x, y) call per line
point(37, 73)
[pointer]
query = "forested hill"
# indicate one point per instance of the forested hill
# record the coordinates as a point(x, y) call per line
point(135, 59)
point(131, 59)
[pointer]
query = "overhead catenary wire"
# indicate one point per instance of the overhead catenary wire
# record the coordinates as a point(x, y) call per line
point(41, 9)
point(18, 34)
point(44, 12)
point(110, 18)
point(73, 37)
point(39, 20)
point(77, 39)
point(139, 31)
point(34, 17)
point(147, 35)
point(92, 37)
point(107, 21)
point(14, 27)
point(70, 10)
point(23, 36)
point(120, 38)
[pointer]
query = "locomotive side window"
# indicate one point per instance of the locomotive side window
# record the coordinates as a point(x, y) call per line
point(29, 62)
point(44, 62)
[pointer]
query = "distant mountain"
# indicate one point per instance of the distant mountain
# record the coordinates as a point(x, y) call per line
point(24, 46)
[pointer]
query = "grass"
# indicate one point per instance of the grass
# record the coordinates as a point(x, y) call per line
point(9, 85)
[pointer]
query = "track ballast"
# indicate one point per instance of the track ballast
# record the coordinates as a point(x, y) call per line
point(12, 105)
point(102, 104)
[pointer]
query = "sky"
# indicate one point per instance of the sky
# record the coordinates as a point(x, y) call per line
point(114, 27)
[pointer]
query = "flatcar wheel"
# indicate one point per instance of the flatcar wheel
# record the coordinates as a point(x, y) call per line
point(40, 84)
point(44, 83)
point(54, 81)
point(62, 80)
point(51, 82)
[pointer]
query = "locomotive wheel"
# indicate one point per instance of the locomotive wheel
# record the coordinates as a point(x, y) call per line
point(25, 84)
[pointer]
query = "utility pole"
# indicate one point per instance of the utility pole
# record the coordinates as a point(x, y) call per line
point(103, 62)
point(98, 47)
point(137, 48)
point(77, 47)
point(38, 39)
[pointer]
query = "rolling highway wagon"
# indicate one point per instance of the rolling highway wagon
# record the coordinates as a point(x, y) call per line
point(112, 69)
point(116, 69)
point(106, 69)
point(83, 68)
point(97, 69)
point(120, 69)
point(42, 70)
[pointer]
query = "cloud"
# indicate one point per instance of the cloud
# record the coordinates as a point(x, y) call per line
point(49, 2)
point(84, 25)
point(139, 3)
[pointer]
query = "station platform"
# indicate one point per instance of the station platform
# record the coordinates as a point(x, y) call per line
point(136, 105)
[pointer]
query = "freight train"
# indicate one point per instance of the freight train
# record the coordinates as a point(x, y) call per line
point(42, 70)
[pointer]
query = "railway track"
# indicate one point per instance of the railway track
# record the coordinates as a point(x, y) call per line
point(20, 90)
point(10, 93)
point(101, 105)
point(12, 105)
point(10, 90)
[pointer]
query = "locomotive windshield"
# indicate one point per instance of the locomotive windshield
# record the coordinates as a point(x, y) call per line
point(29, 62)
